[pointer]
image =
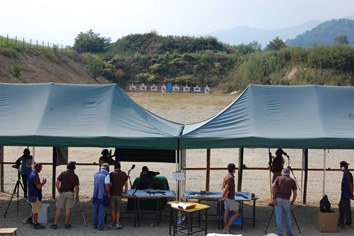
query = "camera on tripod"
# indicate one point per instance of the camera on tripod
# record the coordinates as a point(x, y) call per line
point(15, 166)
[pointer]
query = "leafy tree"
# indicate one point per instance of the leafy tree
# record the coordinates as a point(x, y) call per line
point(341, 39)
point(91, 42)
point(276, 44)
point(244, 49)
point(97, 66)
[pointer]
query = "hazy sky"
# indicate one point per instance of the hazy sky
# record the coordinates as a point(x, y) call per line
point(61, 21)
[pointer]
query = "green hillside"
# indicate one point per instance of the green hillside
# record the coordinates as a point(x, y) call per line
point(325, 34)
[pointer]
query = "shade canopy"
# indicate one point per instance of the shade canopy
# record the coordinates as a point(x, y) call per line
point(95, 115)
point(263, 116)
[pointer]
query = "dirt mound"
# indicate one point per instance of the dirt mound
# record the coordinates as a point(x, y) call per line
point(37, 67)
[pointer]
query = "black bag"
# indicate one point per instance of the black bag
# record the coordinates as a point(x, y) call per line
point(325, 205)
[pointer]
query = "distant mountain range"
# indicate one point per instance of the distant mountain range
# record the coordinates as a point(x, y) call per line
point(245, 35)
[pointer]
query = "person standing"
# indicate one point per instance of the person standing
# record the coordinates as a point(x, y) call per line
point(345, 214)
point(67, 185)
point(277, 164)
point(228, 195)
point(35, 193)
point(282, 189)
point(26, 161)
point(118, 180)
point(100, 198)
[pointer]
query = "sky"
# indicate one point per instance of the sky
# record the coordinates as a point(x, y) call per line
point(59, 22)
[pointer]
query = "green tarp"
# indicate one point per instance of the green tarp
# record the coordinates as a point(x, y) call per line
point(311, 117)
point(68, 115)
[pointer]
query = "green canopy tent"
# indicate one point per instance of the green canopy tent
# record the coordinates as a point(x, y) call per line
point(263, 116)
point(80, 115)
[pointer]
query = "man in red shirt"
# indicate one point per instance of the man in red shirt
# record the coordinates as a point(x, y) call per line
point(118, 179)
point(282, 189)
point(228, 194)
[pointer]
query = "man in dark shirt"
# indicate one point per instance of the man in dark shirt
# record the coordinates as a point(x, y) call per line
point(146, 178)
point(345, 214)
point(118, 179)
point(282, 189)
point(228, 194)
point(277, 163)
point(26, 167)
point(106, 158)
point(67, 185)
point(35, 193)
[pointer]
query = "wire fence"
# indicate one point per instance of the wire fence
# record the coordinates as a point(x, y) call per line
point(18, 43)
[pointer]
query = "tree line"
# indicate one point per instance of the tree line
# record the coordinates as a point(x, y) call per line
point(151, 58)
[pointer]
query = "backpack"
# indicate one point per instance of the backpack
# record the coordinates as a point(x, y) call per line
point(325, 205)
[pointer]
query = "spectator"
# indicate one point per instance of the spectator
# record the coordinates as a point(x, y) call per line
point(345, 214)
point(35, 193)
point(67, 185)
point(282, 189)
point(118, 180)
point(228, 194)
point(100, 198)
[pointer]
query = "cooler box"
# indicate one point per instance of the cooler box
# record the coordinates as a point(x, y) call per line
point(43, 214)
point(327, 221)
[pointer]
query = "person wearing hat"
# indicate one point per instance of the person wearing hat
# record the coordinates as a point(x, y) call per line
point(277, 164)
point(100, 197)
point(284, 188)
point(106, 158)
point(228, 195)
point(67, 185)
point(26, 161)
point(345, 215)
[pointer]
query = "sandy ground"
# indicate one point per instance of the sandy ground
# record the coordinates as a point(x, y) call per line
point(186, 111)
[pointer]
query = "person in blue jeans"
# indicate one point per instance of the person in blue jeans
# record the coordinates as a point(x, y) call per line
point(100, 197)
point(345, 214)
point(284, 188)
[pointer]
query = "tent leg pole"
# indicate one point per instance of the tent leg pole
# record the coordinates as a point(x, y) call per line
point(54, 168)
point(2, 168)
point(240, 169)
point(207, 184)
point(306, 167)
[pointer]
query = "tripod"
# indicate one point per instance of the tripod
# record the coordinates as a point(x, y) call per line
point(271, 215)
point(292, 172)
point(15, 191)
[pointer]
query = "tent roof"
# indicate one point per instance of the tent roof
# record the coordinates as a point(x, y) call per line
point(316, 117)
point(52, 114)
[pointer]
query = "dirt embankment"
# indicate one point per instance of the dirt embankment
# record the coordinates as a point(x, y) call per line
point(37, 67)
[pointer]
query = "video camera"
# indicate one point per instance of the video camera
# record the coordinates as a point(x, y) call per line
point(15, 166)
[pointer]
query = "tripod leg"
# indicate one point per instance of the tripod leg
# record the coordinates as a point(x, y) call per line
point(270, 218)
point(82, 213)
point(15, 191)
point(296, 221)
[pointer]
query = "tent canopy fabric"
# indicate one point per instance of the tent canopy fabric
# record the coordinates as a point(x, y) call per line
point(263, 116)
point(79, 115)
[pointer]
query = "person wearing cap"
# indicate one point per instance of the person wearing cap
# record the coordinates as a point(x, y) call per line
point(26, 161)
point(35, 193)
point(106, 158)
point(284, 188)
point(67, 185)
point(277, 164)
point(345, 215)
point(228, 195)
point(100, 197)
